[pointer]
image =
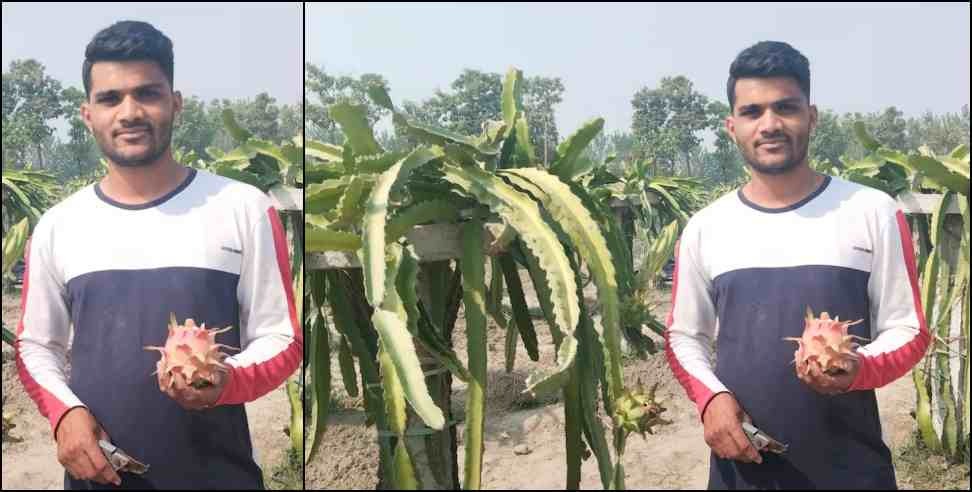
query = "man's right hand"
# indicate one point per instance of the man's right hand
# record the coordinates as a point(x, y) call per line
point(723, 430)
point(78, 450)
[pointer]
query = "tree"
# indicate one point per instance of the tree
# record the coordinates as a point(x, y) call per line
point(940, 133)
point(260, 116)
point(889, 128)
point(291, 121)
point(723, 164)
point(540, 95)
point(667, 122)
point(830, 140)
point(81, 148)
point(30, 100)
point(196, 129)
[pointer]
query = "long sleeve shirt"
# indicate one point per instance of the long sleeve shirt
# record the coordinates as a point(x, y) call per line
point(212, 250)
point(745, 276)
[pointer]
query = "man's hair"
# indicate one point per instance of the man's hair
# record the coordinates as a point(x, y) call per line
point(769, 59)
point(128, 41)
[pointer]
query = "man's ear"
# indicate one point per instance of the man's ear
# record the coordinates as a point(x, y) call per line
point(85, 111)
point(731, 128)
point(177, 103)
point(813, 118)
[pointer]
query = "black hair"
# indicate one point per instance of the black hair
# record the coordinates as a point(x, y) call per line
point(769, 59)
point(125, 41)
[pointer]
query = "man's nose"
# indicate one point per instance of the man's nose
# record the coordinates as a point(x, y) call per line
point(130, 111)
point(770, 123)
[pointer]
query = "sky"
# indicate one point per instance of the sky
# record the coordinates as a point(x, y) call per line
point(221, 51)
point(863, 57)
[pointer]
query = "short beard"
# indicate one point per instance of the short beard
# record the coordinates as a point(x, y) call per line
point(141, 161)
point(787, 166)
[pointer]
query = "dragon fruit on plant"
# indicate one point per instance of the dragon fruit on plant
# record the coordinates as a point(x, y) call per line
point(190, 353)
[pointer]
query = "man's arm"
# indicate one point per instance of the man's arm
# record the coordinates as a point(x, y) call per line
point(901, 335)
point(272, 342)
point(41, 356)
point(691, 324)
point(43, 332)
point(691, 330)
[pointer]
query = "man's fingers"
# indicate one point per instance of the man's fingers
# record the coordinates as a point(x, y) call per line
point(103, 471)
point(84, 469)
point(745, 451)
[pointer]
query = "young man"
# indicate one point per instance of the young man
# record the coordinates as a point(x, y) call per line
point(754, 261)
point(114, 259)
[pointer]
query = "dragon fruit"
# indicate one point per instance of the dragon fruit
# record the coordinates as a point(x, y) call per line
point(825, 342)
point(191, 354)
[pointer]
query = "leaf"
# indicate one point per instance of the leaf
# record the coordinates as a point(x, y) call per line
point(860, 130)
point(14, 243)
point(320, 240)
point(353, 119)
point(373, 223)
point(568, 164)
point(569, 212)
point(239, 134)
point(523, 214)
point(473, 295)
point(512, 96)
point(428, 211)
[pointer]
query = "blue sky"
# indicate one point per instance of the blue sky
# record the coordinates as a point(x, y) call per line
point(863, 57)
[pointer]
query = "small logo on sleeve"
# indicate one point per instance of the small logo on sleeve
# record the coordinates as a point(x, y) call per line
point(863, 250)
point(231, 250)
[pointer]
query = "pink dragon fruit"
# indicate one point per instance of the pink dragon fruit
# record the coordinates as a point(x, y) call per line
point(190, 353)
point(826, 344)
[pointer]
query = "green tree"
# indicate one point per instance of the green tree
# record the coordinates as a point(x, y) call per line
point(668, 121)
point(81, 150)
point(195, 129)
point(941, 133)
point(31, 99)
point(830, 140)
point(540, 95)
point(723, 164)
point(890, 128)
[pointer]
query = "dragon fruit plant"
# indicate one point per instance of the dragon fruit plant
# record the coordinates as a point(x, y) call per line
point(190, 353)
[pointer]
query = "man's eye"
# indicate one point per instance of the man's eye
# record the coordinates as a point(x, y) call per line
point(107, 99)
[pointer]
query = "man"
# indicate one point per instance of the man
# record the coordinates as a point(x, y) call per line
point(115, 258)
point(754, 260)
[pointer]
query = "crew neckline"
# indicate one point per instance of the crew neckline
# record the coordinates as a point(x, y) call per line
point(154, 203)
point(820, 189)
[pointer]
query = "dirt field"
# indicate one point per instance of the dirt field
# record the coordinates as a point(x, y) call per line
point(32, 464)
point(676, 457)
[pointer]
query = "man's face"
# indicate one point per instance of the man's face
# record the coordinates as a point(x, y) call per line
point(130, 111)
point(771, 123)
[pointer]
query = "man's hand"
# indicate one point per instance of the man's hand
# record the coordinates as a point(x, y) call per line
point(723, 430)
point(829, 384)
point(192, 398)
point(78, 450)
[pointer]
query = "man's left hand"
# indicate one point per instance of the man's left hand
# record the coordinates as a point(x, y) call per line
point(830, 384)
point(192, 398)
